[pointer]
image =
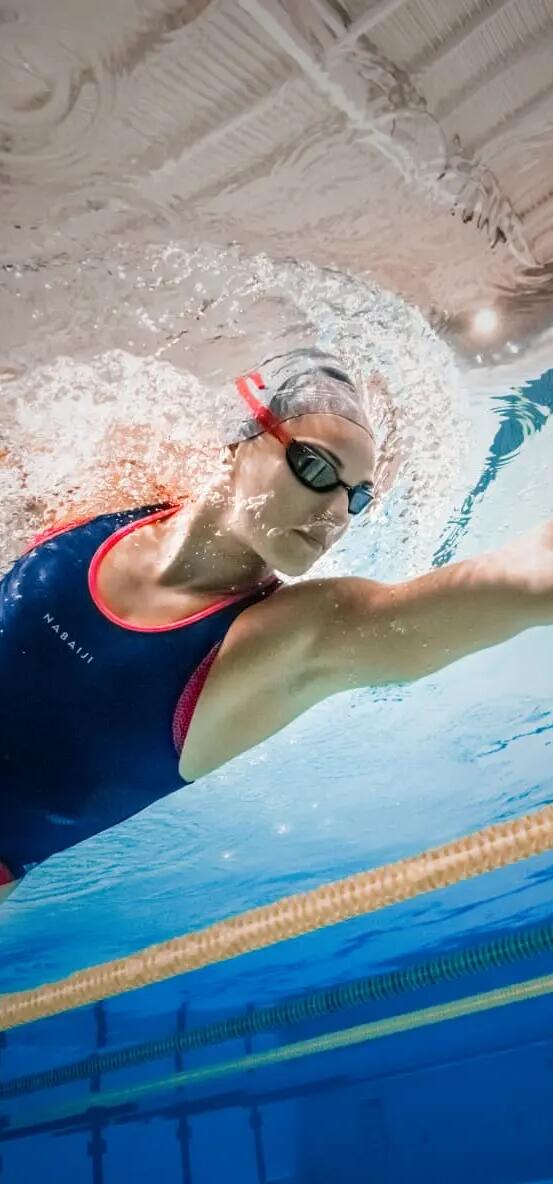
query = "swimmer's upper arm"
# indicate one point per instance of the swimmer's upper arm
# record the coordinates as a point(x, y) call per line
point(260, 681)
point(317, 638)
point(377, 633)
point(279, 658)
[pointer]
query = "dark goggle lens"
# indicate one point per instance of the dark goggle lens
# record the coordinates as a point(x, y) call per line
point(315, 471)
point(311, 467)
point(360, 497)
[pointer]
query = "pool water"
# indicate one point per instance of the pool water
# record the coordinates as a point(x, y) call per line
point(360, 781)
point(187, 189)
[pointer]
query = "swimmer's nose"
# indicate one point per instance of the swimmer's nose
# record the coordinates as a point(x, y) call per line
point(338, 515)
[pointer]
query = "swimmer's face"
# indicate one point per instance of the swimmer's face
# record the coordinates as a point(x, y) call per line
point(288, 525)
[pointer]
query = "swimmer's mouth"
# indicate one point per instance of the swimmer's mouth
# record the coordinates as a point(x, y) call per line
point(314, 539)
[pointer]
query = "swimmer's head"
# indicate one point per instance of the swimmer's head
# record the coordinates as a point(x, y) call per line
point(302, 382)
point(288, 524)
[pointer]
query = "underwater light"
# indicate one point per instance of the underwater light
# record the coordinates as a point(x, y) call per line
point(485, 321)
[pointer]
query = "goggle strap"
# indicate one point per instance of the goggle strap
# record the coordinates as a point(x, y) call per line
point(271, 423)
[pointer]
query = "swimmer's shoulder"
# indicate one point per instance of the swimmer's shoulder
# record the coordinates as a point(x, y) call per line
point(276, 662)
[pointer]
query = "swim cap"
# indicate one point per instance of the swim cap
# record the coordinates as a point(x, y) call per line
point(305, 382)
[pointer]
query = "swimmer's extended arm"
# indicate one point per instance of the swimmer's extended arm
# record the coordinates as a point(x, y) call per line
point(375, 633)
point(315, 638)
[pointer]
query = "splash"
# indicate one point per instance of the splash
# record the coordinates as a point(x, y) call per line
point(93, 432)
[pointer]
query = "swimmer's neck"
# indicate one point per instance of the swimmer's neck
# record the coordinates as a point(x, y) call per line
point(197, 551)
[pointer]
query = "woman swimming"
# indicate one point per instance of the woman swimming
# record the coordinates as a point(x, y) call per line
point(141, 650)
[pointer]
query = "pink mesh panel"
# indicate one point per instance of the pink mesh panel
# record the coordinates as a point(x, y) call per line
point(5, 875)
point(187, 702)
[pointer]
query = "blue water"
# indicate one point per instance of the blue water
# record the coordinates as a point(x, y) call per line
point(361, 780)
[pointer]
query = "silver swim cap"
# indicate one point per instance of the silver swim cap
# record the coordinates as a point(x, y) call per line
point(305, 382)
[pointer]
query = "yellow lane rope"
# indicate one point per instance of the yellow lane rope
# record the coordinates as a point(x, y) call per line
point(483, 851)
point(344, 1038)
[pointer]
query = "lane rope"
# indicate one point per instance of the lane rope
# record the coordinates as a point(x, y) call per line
point(366, 892)
point(502, 950)
point(329, 1042)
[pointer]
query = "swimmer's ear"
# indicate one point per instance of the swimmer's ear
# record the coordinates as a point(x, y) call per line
point(227, 455)
point(230, 453)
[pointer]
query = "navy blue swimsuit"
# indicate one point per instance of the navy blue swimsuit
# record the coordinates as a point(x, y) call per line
point(93, 711)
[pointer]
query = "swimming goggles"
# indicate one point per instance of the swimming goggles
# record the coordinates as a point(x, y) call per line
point(306, 462)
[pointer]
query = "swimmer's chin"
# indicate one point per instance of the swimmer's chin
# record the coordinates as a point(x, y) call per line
point(297, 554)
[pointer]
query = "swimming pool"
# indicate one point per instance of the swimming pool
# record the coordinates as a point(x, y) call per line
point(414, 1039)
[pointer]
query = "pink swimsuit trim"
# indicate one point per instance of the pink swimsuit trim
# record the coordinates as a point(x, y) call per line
point(106, 546)
point(52, 531)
